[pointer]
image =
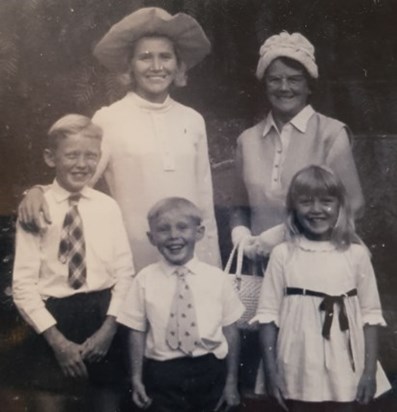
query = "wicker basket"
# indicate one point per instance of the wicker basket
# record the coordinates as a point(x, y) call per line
point(247, 286)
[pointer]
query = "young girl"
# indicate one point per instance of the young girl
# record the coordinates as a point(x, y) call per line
point(319, 307)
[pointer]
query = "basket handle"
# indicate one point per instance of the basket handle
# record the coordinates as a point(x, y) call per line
point(238, 250)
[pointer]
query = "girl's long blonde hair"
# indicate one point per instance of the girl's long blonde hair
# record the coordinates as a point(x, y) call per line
point(318, 180)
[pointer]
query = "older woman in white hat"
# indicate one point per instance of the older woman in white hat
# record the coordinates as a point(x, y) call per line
point(291, 136)
point(153, 147)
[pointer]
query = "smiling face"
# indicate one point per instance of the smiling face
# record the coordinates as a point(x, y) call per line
point(154, 66)
point(75, 159)
point(175, 235)
point(317, 215)
point(287, 89)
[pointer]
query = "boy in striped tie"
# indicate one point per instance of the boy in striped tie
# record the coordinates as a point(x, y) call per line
point(182, 314)
point(69, 281)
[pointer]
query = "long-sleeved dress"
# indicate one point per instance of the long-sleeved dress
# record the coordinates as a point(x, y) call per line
point(151, 151)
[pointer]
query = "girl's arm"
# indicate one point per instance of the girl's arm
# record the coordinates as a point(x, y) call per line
point(136, 349)
point(268, 333)
point(367, 385)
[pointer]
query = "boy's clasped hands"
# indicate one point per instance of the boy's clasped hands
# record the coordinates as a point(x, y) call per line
point(72, 356)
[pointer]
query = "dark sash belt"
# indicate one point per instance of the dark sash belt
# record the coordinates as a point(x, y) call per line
point(327, 305)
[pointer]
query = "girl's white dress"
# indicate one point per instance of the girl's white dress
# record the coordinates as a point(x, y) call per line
point(312, 368)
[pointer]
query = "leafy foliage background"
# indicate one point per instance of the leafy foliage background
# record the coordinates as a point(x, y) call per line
point(47, 70)
point(46, 67)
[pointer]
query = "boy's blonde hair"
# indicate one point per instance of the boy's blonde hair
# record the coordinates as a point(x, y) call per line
point(72, 124)
point(182, 205)
point(319, 180)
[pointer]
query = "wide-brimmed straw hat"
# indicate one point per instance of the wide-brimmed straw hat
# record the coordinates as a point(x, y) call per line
point(295, 46)
point(114, 50)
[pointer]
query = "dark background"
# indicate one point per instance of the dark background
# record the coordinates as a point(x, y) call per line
point(47, 70)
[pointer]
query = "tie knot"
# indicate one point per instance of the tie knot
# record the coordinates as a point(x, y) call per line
point(182, 271)
point(74, 199)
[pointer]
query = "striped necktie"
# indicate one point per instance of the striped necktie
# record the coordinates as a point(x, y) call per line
point(182, 331)
point(72, 245)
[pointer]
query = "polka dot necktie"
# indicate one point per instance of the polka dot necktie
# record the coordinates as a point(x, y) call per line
point(72, 245)
point(182, 331)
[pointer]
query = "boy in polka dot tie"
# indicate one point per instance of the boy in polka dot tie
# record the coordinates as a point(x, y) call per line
point(182, 314)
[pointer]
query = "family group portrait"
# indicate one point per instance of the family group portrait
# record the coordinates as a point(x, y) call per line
point(198, 206)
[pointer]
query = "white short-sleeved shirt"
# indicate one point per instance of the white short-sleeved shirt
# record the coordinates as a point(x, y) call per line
point(148, 303)
point(312, 368)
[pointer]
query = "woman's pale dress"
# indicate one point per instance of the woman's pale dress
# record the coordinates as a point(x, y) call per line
point(151, 151)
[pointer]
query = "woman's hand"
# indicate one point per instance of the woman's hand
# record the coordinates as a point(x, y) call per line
point(33, 212)
point(252, 248)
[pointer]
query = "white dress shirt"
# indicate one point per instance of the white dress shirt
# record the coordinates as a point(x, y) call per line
point(148, 303)
point(38, 273)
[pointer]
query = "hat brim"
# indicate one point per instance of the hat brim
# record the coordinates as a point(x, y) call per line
point(114, 49)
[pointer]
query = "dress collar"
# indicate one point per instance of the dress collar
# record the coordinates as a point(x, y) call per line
point(61, 194)
point(299, 121)
point(169, 269)
point(149, 106)
point(315, 246)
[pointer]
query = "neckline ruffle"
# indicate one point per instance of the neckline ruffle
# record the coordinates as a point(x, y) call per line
point(315, 246)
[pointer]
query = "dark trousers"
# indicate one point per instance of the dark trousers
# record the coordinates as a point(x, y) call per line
point(185, 384)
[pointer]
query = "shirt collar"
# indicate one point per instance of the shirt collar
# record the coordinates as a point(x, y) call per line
point(61, 194)
point(299, 121)
point(169, 269)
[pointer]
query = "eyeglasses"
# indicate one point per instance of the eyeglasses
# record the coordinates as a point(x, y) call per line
point(291, 81)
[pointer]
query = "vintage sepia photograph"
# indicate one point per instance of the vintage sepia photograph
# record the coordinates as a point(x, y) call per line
point(198, 205)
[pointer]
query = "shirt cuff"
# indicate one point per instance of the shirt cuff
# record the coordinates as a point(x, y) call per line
point(374, 319)
point(272, 237)
point(131, 323)
point(114, 307)
point(265, 318)
point(235, 316)
point(41, 320)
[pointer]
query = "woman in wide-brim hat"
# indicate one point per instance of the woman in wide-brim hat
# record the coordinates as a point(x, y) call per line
point(154, 147)
point(292, 135)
